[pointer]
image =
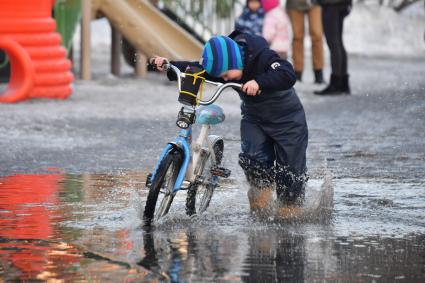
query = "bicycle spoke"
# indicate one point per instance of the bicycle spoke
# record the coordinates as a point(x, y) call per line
point(165, 203)
point(166, 190)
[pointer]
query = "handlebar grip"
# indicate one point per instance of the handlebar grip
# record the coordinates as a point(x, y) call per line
point(151, 65)
point(154, 67)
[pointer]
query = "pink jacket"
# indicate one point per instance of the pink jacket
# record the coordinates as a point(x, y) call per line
point(277, 30)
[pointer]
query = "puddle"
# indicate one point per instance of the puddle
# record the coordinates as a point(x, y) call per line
point(87, 227)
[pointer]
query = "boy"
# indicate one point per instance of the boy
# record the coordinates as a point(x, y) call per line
point(274, 131)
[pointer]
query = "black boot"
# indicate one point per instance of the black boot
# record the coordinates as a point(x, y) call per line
point(334, 87)
point(298, 75)
point(345, 85)
point(318, 77)
point(290, 186)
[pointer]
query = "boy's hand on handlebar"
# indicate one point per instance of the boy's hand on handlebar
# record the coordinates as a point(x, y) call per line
point(251, 88)
point(159, 63)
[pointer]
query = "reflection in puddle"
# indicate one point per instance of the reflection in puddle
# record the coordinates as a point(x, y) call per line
point(87, 228)
point(28, 213)
point(34, 242)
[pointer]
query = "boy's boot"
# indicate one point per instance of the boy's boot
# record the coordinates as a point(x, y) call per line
point(291, 201)
point(289, 212)
point(298, 75)
point(334, 87)
point(260, 199)
point(318, 77)
point(291, 208)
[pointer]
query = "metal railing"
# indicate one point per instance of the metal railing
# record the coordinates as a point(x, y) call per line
point(397, 5)
point(205, 17)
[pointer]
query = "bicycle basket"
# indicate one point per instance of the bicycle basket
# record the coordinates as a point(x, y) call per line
point(192, 83)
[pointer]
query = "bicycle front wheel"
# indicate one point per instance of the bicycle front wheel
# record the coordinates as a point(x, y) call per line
point(161, 187)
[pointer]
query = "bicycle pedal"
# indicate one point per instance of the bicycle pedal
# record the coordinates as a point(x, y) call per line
point(220, 172)
point(185, 185)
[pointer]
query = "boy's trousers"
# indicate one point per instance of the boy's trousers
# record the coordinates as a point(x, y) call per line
point(274, 139)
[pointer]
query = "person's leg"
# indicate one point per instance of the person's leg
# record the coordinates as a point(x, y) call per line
point(339, 62)
point(316, 34)
point(256, 160)
point(332, 25)
point(297, 22)
point(345, 87)
point(343, 65)
point(289, 132)
point(291, 170)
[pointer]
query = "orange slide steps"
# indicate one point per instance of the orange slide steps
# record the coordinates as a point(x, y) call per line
point(39, 68)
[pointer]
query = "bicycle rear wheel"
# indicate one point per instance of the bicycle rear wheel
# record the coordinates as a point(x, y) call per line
point(161, 187)
point(199, 195)
point(204, 194)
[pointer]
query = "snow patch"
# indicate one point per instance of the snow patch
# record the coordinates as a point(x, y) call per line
point(378, 30)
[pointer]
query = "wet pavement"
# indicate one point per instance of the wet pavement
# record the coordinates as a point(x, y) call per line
point(87, 228)
point(73, 172)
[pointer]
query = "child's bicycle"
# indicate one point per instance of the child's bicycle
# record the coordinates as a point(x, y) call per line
point(184, 165)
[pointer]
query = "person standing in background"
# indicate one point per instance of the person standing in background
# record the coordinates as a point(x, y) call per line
point(333, 15)
point(252, 18)
point(276, 28)
point(297, 10)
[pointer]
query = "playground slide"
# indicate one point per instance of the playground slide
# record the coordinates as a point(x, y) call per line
point(149, 31)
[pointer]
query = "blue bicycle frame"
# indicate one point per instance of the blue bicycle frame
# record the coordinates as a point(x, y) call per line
point(182, 142)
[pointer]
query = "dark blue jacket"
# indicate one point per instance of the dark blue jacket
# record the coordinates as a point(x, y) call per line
point(250, 22)
point(261, 64)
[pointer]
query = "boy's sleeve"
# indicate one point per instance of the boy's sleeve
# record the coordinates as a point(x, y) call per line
point(278, 75)
point(182, 65)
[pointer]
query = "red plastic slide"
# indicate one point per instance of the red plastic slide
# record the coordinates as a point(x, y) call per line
point(38, 63)
point(22, 71)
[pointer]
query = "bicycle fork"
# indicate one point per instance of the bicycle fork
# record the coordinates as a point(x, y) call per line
point(193, 165)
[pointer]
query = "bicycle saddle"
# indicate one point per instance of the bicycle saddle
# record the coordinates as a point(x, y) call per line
point(210, 115)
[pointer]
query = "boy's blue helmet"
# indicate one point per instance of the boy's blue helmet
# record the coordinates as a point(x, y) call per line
point(220, 54)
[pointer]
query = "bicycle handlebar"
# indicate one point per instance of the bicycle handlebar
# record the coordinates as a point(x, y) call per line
point(217, 93)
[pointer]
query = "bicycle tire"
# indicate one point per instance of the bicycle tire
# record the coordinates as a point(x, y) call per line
point(164, 181)
point(199, 195)
point(205, 194)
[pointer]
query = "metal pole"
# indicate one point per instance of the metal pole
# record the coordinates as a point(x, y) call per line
point(85, 67)
point(115, 51)
point(141, 62)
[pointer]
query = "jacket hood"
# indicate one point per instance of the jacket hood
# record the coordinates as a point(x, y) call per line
point(252, 46)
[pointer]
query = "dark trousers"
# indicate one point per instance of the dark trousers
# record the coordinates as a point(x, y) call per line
point(333, 20)
point(274, 139)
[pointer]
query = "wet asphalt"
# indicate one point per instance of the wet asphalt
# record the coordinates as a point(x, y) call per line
point(76, 169)
point(111, 124)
